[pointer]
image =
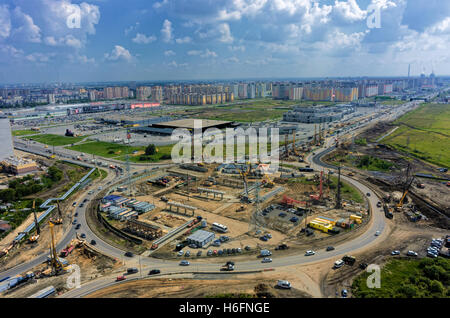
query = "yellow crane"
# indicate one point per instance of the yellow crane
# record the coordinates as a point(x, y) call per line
point(56, 264)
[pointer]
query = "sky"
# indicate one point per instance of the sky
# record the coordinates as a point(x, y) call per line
point(137, 40)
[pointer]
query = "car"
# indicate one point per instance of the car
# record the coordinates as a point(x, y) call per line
point(132, 270)
point(269, 236)
point(74, 222)
point(77, 227)
point(120, 278)
point(330, 248)
point(377, 233)
point(395, 253)
point(282, 215)
point(344, 293)
point(284, 284)
point(228, 250)
point(93, 242)
point(129, 254)
point(220, 252)
point(338, 264)
point(81, 205)
point(239, 250)
point(83, 235)
point(154, 272)
point(199, 253)
point(293, 219)
point(180, 253)
point(379, 204)
point(184, 263)
point(209, 253)
point(76, 214)
point(411, 253)
point(193, 245)
point(432, 255)
point(215, 252)
point(309, 253)
point(247, 248)
point(368, 194)
point(363, 265)
point(266, 260)
point(233, 251)
point(264, 238)
point(74, 204)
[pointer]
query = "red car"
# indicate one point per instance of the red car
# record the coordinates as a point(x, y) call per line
point(120, 278)
point(215, 252)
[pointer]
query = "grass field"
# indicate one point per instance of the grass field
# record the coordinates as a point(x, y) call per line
point(408, 278)
point(19, 133)
point(119, 152)
point(55, 140)
point(348, 192)
point(424, 133)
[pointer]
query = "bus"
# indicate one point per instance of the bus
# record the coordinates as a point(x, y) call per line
point(306, 169)
point(219, 227)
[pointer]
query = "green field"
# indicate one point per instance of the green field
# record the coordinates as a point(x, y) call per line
point(347, 191)
point(19, 133)
point(55, 140)
point(119, 152)
point(424, 133)
point(408, 278)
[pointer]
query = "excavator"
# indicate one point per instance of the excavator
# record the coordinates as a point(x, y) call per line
point(35, 238)
point(400, 203)
point(58, 220)
point(267, 182)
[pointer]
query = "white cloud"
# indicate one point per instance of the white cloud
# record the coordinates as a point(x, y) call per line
point(119, 53)
point(225, 33)
point(169, 53)
point(176, 65)
point(204, 54)
point(143, 39)
point(184, 40)
point(5, 21)
point(167, 31)
point(27, 30)
point(349, 10)
point(237, 48)
point(158, 5)
point(131, 28)
point(442, 27)
point(38, 57)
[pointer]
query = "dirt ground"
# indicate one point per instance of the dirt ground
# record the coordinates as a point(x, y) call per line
point(260, 286)
point(92, 265)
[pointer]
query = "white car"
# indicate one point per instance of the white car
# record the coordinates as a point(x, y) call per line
point(411, 253)
point(339, 264)
point(266, 260)
point(284, 284)
point(395, 253)
point(309, 253)
point(377, 233)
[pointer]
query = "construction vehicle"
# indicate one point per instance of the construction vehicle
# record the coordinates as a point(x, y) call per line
point(400, 204)
point(57, 220)
point(35, 238)
point(56, 265)
point(349, 260)
point(267, 182)
point(420, 186)
point(319, 196)
point(289, 202)
point(245, 197)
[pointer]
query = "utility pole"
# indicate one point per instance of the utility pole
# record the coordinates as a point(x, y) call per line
point(338, 196)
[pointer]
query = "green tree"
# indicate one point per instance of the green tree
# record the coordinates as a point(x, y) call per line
point(150, 150)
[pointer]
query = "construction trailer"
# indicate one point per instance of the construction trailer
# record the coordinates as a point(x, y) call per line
point(141, 229)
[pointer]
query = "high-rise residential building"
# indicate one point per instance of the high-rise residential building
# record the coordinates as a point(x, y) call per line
point(280, 91)
point(251, 90)
point(156, 93)
point(261, 91)
point(318, 93)
point(243, 90)
point(51, 99)
point(295, 93)
point(143, 93)
point(108, 93)
point(92, 95)
point(345, 94)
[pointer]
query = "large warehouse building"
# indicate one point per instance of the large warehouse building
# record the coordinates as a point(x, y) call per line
point(6, 150)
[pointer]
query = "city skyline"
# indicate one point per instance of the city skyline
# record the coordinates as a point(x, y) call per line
point(174, 40)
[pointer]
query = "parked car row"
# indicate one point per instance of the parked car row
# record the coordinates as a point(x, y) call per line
point(225, 251)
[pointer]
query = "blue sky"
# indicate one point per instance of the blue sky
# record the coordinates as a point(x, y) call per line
point(219, 39)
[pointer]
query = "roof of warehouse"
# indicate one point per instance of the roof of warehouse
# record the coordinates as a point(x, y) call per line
point(189, 123)
point(200, 235)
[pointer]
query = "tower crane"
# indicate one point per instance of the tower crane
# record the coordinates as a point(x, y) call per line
point(318, 197)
